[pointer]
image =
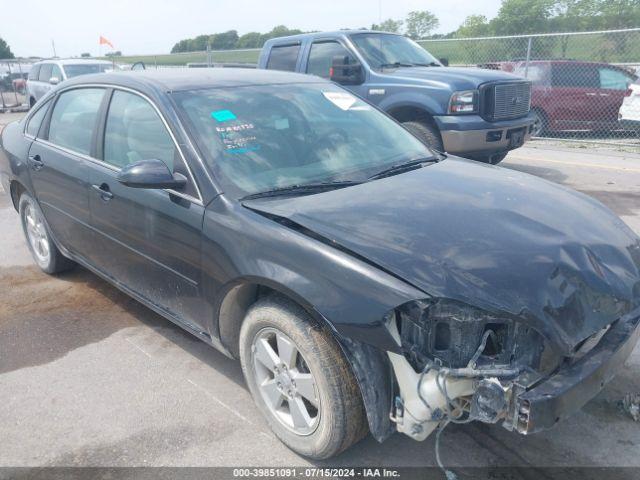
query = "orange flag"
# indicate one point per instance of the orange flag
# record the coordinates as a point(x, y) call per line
point(104, 41)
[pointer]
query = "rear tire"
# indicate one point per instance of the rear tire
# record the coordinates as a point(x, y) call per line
point(316, 372)
point(426, 133)
point(42, 248)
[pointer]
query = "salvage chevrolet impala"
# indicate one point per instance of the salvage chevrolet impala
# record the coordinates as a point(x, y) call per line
point(366, 283)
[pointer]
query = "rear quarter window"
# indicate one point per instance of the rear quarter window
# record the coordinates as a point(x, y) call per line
point(35, 121)
point(283, 57)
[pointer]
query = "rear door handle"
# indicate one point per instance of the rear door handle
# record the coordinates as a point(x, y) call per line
point(103, 191)
point(36, 162)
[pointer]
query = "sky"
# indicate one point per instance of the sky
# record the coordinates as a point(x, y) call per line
point(154, 26)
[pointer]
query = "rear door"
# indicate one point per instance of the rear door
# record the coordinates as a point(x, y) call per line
point(146, 239)
point(42, 86)
point(58, 165)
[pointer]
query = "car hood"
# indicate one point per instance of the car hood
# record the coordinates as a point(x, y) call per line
point(458, 78)
point(490, 237)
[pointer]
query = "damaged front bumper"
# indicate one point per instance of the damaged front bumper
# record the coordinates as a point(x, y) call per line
point(573, 385)
point(525, 401)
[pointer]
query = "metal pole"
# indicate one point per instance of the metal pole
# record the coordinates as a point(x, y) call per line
point(526, 67)
point(208, 55)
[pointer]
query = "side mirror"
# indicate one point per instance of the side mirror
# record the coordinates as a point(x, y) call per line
point(346, 71)
point(444, 62)
point(150, 174)
point(54, 80)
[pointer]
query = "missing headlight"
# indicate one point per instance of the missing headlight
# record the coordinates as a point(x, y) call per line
point(450, 333)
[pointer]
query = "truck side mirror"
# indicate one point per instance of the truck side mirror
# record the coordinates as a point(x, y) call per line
point(346, 71)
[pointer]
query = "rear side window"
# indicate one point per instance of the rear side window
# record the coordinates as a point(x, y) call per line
point(74, 119)
point(34, 72)
point(56, 72)
point(36, 120)
point(135, 132)
point(321, 57)
point(284, 57)
point(45, 72)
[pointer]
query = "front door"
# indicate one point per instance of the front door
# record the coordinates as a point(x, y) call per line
point(148, 240)
point(58, 166)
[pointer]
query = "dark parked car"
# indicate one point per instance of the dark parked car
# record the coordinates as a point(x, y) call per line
point(364, 282)
point(569, 95)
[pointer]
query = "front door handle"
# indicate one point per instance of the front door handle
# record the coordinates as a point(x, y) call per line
point(36, 162)
point(104, 191)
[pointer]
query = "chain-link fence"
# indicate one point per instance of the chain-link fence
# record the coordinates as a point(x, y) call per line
point(582, 83)
point(13, 84)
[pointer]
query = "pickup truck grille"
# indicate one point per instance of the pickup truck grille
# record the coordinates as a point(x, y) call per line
point(507, 100)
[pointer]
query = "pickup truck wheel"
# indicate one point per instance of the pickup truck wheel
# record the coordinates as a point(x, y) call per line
point(43, 249)
point(427, 133)
point(494, 159)
point(300, 380)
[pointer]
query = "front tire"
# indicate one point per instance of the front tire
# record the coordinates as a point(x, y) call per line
point(43, 250)
point(300, 380)
point(426, 133)
point(494, 159)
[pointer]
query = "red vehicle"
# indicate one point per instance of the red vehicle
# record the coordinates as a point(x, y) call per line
point(569, 95)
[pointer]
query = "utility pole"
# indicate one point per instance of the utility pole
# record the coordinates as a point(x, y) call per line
point(53, 45)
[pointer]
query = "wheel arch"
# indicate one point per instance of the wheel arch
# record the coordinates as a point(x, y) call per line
point(369, 365)
point(16, 189)
point(411, 112)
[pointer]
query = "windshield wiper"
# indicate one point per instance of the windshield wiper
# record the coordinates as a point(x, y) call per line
point(301, 189)
point(430, 64)
point(403, 167)
point(395, 65)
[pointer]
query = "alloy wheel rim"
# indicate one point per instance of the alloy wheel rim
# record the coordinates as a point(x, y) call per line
point(37, 234)
point(285, 381)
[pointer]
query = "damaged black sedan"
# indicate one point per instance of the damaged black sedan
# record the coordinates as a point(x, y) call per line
point(365, 282)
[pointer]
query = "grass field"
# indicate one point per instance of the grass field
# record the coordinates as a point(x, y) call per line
point(233, 56)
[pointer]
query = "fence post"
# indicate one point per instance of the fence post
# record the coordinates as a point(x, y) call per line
point(526, 66)
point(208, 55)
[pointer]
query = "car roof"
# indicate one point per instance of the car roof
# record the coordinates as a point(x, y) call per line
point(313, 35)
point(180, 79)
point(74, 61)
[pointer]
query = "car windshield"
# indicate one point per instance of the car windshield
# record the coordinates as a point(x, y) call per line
point(384, 50)
point(261, 138)
point(76, 70)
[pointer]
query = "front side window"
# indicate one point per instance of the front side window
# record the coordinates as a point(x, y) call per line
point(45, 72)
point(259, 138)
point(321, 57)
point(74, 119)
point(283, 58)
point(612, 79)
point(135, 132)
point(33, 127)
point(56, 73)
point(384, 50)
point(76, 70)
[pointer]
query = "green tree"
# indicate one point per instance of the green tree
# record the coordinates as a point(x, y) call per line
point(474, 26)
point(421, 24)
point(5, 51)
point(389, 25)
point(524, 16)
point(223, 41)
point(250, 40)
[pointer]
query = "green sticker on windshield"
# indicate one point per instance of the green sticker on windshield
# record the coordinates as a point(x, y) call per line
point(223, 115)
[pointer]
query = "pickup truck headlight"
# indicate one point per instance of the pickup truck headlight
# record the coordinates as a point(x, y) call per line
point(464, 102)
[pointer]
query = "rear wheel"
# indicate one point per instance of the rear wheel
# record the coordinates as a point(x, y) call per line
point(300, 380)
point(427, 133)
point(43, 249)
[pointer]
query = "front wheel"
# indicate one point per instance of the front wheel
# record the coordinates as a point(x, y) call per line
point(426, 133)
point(493, 159)
point(300, 380)
point(43, 249)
